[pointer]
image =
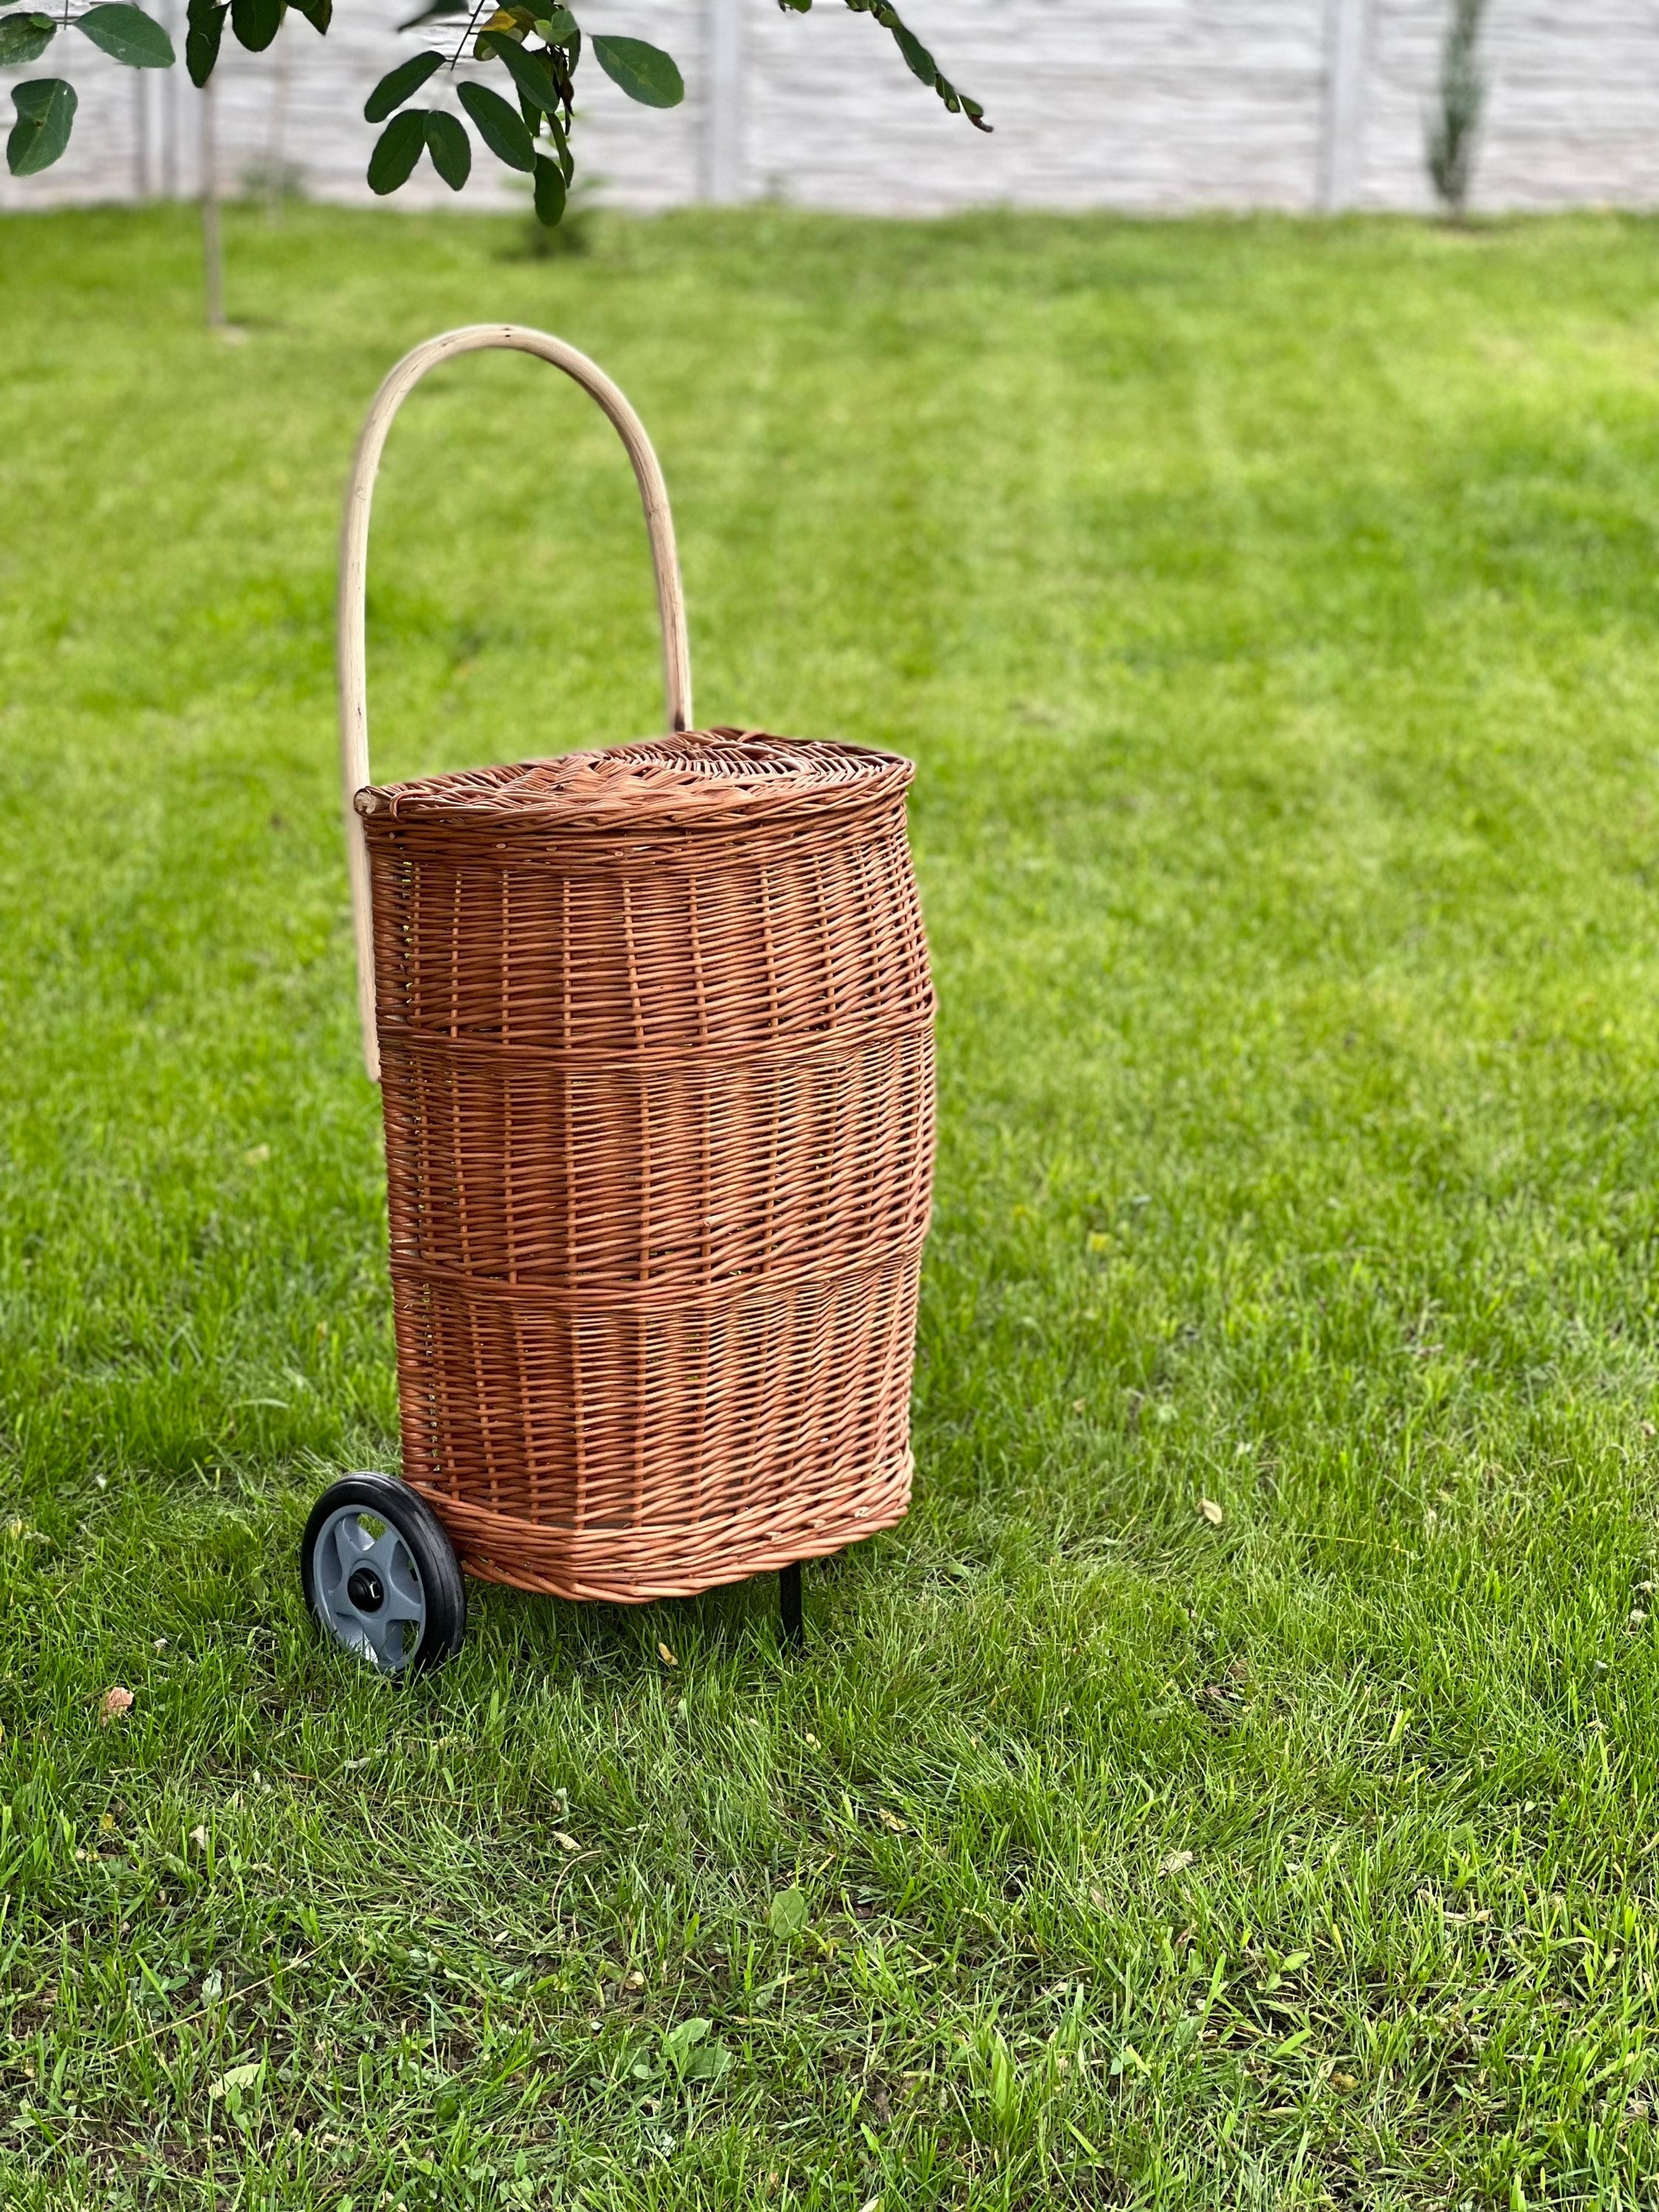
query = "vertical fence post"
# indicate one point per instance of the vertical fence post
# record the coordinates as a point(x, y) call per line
point(1342, 125)
point(168, 95)
point(723, 178)
point(213, 251)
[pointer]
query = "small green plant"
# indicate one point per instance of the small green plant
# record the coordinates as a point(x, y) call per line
point(691, 2054)
point(788, 1915)
point(998, 2082)
point(272, 181)
point(1462, 96)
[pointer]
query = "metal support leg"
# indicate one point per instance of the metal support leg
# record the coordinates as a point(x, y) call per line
point(794, 1628)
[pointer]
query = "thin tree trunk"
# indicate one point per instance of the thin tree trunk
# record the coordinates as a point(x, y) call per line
point(170, 117)
point(213, 255)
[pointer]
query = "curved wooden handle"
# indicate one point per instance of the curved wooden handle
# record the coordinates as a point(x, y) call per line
point(476, 337)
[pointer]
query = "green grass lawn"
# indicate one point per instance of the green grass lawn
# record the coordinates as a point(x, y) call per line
point(1237, 1783)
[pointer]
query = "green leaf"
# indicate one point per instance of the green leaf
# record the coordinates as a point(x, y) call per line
point(691, 2051)
point(921, 62)
point(645, 73)
point(45, 110)
point(550, 192)
point(24, 38)
point(398, 85)
point(397, 150)
point(558, 28)
point(206, 21)
point(256, 22)
point(787, 1914)
point(679, 2041)
point(236, 2077)
point(501, 127)
point(128, 35)
point(450, 148)
point(319, 14)
point(500, 25)
point(530, 72)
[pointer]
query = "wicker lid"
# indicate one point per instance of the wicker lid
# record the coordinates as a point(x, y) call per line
point(693, 778)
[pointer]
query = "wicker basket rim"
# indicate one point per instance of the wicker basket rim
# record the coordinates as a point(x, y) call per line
point(691, 779)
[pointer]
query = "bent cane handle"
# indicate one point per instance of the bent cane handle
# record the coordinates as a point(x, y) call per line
point(352, 653)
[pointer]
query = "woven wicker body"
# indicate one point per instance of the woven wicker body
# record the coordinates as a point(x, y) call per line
point(656, 1050)
point(654, 1030)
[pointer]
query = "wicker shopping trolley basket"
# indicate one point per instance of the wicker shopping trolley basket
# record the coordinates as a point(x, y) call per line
point(653, 1029)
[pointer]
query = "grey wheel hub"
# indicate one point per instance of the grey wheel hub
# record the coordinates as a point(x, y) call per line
point(370, 1587)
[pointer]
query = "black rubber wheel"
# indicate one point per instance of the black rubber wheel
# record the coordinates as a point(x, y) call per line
point(380, 1575)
